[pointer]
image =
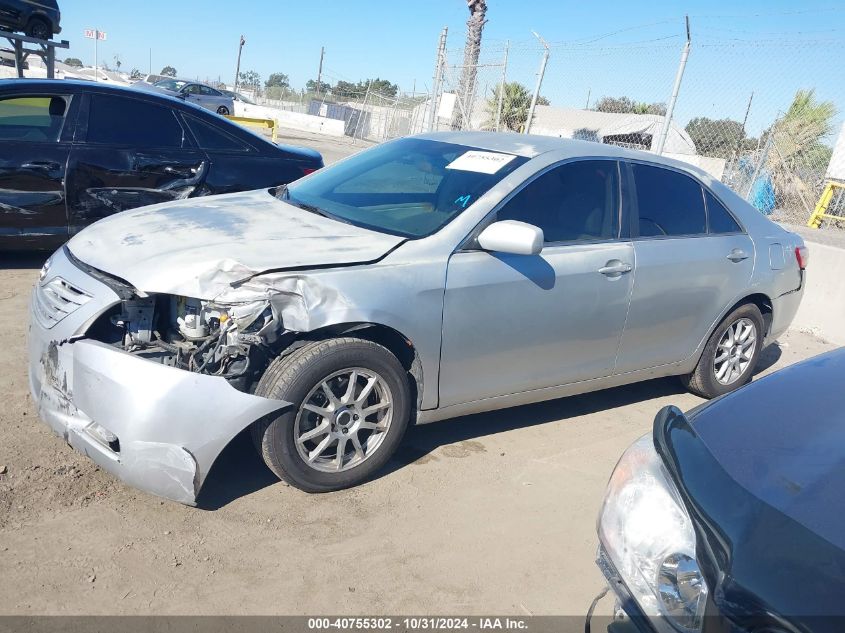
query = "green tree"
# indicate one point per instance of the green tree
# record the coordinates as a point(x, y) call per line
point(311, 86)
point(278, 93)
point(516, 99)
point(347, 90)
point(379, 86)
point(541, 100)
point(718, 138)
point(73, 61)
point(168, 71)
point(614, 104)
point(626, 105)
point(251, 79)
point(135, 74)
point(279, 80)
point(799, 154)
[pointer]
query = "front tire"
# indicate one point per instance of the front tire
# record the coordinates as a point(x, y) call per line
point(223, 110)
point(351, 407)
point(731, 354)
point(39, 29)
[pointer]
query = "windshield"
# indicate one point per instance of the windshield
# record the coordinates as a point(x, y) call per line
point(410, 187)
point(171, 84)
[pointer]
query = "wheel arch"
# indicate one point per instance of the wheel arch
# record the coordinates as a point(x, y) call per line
point(38, 16)
point(759, 299)
point(397, 343)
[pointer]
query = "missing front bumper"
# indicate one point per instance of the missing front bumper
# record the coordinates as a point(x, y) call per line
point(171, 424)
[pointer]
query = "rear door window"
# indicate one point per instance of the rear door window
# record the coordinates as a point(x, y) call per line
point(670, 203)
point(116, 120)
point(36, 119)
point(721, 220)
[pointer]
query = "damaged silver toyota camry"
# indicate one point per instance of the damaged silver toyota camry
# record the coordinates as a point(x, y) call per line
point(426, 278)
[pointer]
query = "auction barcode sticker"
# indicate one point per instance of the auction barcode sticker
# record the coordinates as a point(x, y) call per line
point(481, 162)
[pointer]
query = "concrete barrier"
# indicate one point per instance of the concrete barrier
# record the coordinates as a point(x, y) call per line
point(292, 120)
point(822, 310)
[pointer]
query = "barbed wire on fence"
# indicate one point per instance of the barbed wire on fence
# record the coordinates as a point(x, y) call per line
point(749, 120)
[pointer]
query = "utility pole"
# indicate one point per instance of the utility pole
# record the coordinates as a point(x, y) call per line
point(589, 91)
point(238, 67)
point(542, 72)
point(320, 70)
point(502, 86)
point(151, 61)
point(661, 142)
point(438, 73)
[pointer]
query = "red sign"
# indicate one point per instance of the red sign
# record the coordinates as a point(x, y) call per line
point(94, 34)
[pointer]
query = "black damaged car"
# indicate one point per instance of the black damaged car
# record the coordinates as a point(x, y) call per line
point(730, 518)
point(72, 152)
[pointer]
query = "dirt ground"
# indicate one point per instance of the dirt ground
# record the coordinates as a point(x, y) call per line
point(492, 513)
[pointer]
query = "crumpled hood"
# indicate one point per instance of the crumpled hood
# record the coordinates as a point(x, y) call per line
point(199, 247)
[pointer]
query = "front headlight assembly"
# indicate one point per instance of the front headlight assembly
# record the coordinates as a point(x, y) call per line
point(648, 537)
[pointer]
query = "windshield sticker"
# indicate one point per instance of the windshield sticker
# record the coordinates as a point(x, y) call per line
point(481, 162)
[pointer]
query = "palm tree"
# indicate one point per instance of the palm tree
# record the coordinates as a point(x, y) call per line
point(516, 100)
point(466, 88)
point(798, 154)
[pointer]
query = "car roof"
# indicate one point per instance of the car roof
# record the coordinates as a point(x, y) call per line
point(533, 145)
point(60, 86)
point(72, 85)
point(187, 81)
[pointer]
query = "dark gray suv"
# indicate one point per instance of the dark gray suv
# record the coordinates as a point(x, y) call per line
point(35, 18)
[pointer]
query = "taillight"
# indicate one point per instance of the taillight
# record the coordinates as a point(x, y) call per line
point(308, 170)
point(802, 255)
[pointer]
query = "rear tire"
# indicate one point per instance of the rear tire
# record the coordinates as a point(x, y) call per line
point(38, 28)
point(364, 423)
point(731, 354)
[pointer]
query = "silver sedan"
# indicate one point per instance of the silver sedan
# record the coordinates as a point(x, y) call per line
point(426, 278)
point(195, 92)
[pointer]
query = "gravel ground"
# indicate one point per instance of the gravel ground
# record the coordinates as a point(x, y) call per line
point(492, 513)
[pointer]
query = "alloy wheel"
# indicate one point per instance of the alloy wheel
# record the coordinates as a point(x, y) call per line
point(735, 351)
point(343, 420)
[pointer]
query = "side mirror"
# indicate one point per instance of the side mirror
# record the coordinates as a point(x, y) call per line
point(512, 236)
point(182, 95)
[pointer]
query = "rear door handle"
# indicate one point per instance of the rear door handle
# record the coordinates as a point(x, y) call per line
point(737, 255)
point(615, 269)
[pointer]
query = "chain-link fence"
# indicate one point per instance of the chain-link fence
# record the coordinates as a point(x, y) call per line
point(761, 115)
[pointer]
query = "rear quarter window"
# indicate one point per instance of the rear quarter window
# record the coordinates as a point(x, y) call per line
point(214, 139)
point(721, 220)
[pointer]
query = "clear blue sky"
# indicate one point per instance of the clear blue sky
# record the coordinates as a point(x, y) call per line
point(795, 44)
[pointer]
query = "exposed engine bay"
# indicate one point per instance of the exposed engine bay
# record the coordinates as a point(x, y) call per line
point(234, 341)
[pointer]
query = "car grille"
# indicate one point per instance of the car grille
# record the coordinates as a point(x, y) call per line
point(56, 299)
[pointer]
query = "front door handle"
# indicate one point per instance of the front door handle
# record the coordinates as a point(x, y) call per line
point(182, 172)
point(41, 165)
point(615, 268)
point(737, 255)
